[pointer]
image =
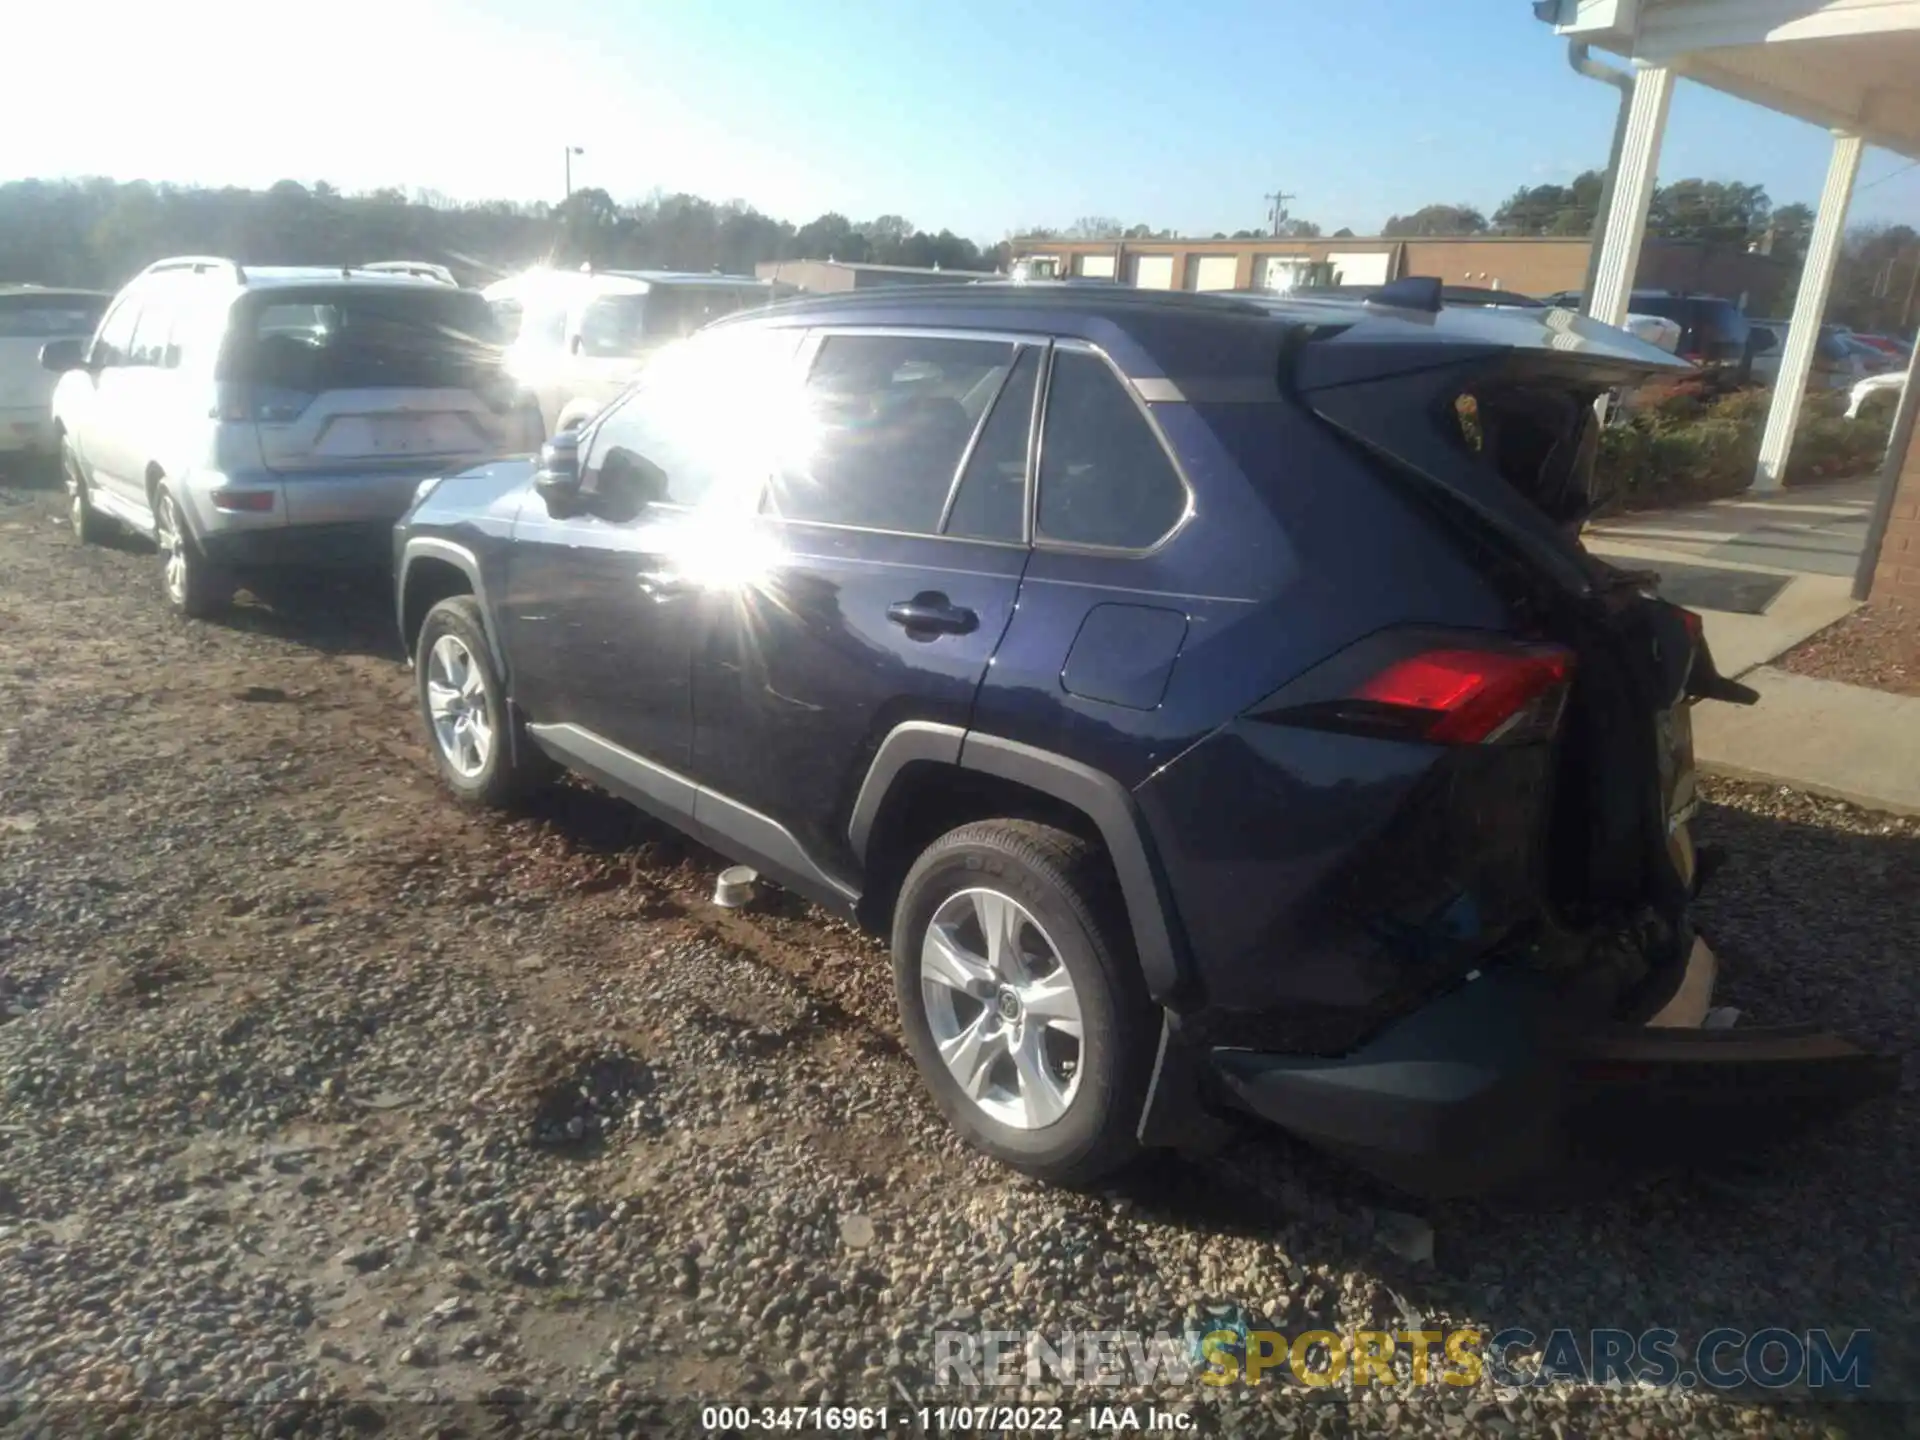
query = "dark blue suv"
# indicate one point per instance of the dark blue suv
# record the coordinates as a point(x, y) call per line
point(1209, 696)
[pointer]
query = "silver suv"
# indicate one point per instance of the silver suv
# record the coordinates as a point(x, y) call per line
point(250, 418)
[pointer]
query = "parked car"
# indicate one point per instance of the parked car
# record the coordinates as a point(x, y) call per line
point(1837, 363)
point(249, 418)
point(1884, 388)
point(30, 316)
point(1211, 722)
point(1713, 330)
point(1900, 350)
point(577, 338)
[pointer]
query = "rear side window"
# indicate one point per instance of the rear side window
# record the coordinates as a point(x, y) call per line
point(367, 337)
point(1104, 478)
point(888, 421)
point(50, 316)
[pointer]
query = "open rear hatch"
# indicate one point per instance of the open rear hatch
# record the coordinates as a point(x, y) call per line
point(1487, 420)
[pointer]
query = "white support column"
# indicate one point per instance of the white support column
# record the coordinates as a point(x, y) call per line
point(1632, 194)
point(1803, 333)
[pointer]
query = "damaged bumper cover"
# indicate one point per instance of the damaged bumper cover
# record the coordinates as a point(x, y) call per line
point(1494, 1086)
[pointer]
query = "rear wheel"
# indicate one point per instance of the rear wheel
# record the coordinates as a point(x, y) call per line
point(464, 704)
point(89, 525)
point(1022, 1001)
point(195, 587)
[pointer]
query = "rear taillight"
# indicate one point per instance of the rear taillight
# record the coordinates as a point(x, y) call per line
point(1696, 627)
point(1469, 697)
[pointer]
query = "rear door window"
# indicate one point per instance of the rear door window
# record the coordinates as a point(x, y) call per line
point(888, 419)
point(115, 340)
point(369, 337)
point(991, 503)
point(152, 334)
point(1105, 480)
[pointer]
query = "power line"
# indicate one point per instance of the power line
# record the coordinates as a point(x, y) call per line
point(1891, 175)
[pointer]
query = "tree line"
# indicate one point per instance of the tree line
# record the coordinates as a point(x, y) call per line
point(99, 233)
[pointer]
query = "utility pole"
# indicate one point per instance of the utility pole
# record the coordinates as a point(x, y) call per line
point(571, 151)
point(1277, 210)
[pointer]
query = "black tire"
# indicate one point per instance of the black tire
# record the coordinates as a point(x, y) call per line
point(513, 767)
point(1067, 886)
point(194, 586)
point(89, 525)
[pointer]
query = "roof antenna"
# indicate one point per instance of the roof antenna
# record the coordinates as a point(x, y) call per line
point(1410, 292)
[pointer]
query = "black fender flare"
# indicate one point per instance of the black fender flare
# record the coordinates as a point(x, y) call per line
point(1098, 796)
point(435, 547)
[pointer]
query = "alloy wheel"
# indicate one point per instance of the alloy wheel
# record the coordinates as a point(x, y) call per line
point(1002, 1008)
point(169, 535)
point(457, 706)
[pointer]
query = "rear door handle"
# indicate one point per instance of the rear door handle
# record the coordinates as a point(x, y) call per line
point(933, 614)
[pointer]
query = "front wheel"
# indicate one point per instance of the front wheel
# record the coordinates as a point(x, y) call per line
point(89, 525)
point(464, 705)
point(195, 586)
point(1023, 1004)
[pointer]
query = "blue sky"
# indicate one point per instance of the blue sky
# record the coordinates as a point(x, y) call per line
point(983, 117)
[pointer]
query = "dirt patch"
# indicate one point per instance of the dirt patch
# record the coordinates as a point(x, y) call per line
point(1877, 646)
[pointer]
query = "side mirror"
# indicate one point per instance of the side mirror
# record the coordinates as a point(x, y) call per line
point(60, 356)
point(557, 478)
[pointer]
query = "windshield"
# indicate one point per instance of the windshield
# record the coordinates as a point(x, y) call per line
point(364, 337)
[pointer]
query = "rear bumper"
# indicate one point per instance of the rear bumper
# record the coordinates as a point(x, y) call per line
point(1492, 1087)
point(360, 545)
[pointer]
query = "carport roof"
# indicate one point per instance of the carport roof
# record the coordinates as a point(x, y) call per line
point(1850, 65)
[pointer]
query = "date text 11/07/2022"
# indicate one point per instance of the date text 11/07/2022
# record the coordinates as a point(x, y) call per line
point(983, 1419)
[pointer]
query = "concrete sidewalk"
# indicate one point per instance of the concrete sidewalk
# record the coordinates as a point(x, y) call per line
point(1822, 736)
point(1841, 740)
point(1810, 538)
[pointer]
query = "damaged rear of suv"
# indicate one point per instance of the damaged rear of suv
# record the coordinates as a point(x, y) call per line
point(1552, 820)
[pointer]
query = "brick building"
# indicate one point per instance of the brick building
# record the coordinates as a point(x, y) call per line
point(1532, 265)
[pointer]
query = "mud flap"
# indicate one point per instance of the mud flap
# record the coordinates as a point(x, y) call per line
point(1669, 1097)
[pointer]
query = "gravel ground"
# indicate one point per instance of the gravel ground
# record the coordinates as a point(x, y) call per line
point(314, 1087)
point(1877, 646)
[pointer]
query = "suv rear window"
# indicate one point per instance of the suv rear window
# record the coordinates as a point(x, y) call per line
point(52, 315)
point(365, 337)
